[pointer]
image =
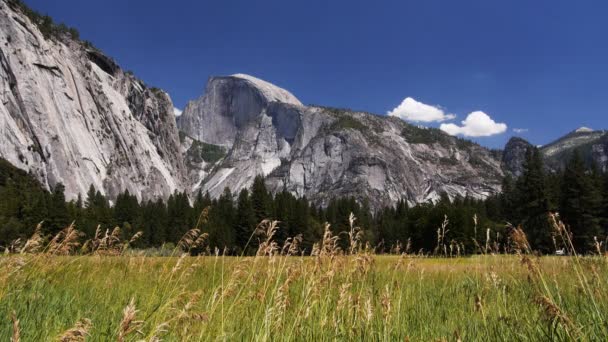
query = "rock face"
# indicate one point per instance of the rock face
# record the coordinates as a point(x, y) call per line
point(228, 105)
point(514, 155)
point(69, 114)
point(323, 153)
point(592, 145)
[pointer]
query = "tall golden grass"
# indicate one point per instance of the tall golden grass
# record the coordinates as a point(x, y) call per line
point(55, 288)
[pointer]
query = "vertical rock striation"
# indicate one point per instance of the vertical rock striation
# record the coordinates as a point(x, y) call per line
point(69, 114)
point(322, 152)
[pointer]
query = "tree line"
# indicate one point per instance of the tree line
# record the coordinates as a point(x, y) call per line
point(466, 225)
point(579, 193)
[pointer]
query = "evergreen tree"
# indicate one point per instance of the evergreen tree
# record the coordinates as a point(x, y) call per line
point(508, 200)
point(97, 212)
point(126, 211)
point(298, 220)
point(580, 203)
point(220, 226)
point(402, 225)
point(533, 202)
point(604, 214)
point(245, 222)
point(75, 211)
point(179, 215)
point(58, 211)
point(200, 204)
point(154, 220)
point(261, 199)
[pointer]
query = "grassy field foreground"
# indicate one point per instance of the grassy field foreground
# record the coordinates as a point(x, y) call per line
point(325, 297)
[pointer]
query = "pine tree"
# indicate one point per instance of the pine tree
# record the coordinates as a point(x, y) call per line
point(220, 226)
point(75, 211)
point(97, 212)
point(581, 203)
point(58, 213)
point(261, 199)
point(245, 221)
point(508, 198)
point(604, 213)
point(403, 232)
point(179, 216)
point(200, 203)
point(154, 222)
point(533, 202)
point(125, 209)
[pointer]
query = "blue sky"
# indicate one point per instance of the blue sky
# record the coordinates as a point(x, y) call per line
point(535, 65)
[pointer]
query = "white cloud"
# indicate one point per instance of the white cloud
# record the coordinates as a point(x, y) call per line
point(412, 110)
point(477, 124)
point(520, 130)
point(177, 111)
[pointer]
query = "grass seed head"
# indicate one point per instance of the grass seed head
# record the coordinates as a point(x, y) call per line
point(16, 337)
point(78, 333)
point(128, 324)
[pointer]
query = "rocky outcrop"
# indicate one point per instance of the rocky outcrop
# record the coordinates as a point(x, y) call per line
point(384, 159)
point(228, 105)
point(323, 153)
point(69, 114)
point(514, 155)
point(590, 144)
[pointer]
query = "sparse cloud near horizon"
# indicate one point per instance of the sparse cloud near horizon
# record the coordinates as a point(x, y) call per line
point(177, 111)
point(520, 130)
point(477, 124)
point(412, 110)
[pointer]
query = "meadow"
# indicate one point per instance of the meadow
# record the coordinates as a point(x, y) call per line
point(332, 293)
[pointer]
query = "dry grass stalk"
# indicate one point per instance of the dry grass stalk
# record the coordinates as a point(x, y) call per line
point(14, 247)
point(16, 337)
point(178, 264)
point(128, 324)
point(109, 244)
point(369, 310)
point(65, 242)
point(441, 233)
point(478, 304)
point(355, 234)
point(487, 246)
point(35, 243)
point(598, 246)
point(554, 314)
point(78, 333)
point(385, 300)
point(292, 246)
point(267, 230)
point(519, 240)
point(192, 239)
point(136, 237)
point(203, 217)
point(329, 243)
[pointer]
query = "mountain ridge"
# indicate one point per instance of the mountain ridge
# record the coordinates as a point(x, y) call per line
point(591, 144)
point(71, 115)
point(320, 152)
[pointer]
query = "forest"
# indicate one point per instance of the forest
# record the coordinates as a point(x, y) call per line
point(579, 194)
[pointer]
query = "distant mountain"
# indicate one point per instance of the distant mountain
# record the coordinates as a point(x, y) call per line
point(591, 144)
point(70, 114)
point(321, 152)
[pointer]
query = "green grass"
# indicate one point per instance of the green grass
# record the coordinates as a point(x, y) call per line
point(333, 297)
